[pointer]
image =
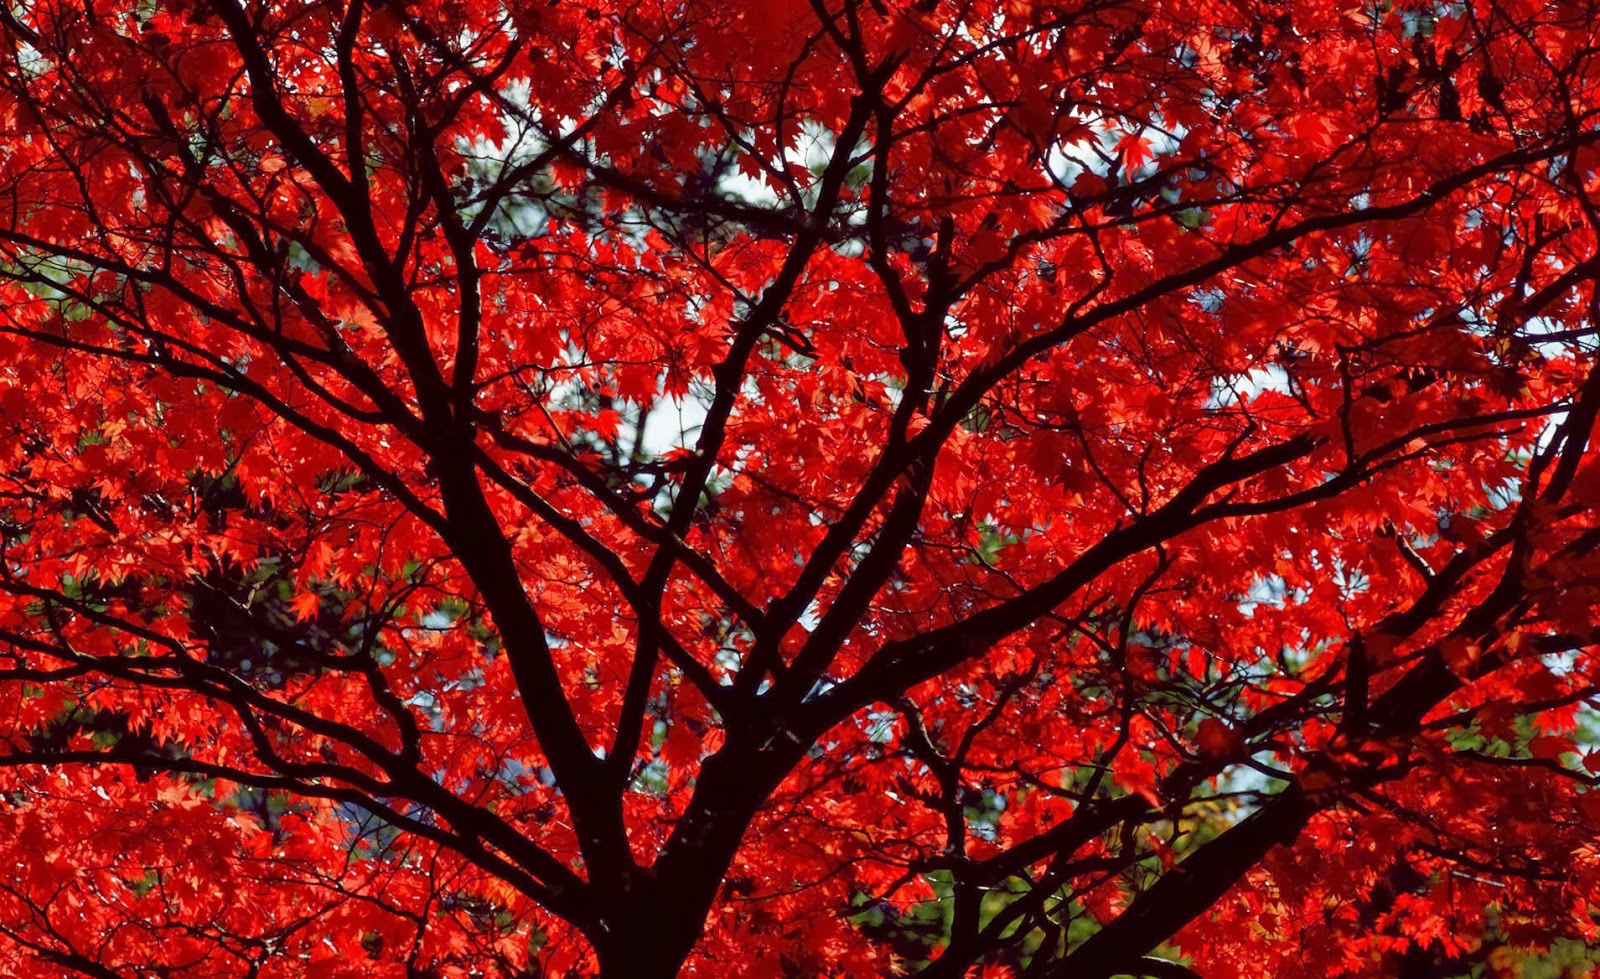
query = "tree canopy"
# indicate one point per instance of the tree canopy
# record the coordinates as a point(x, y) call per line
point(706, 488)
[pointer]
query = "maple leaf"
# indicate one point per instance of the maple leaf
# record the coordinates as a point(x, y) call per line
point(1216, 739)
point(305, 605)
point(1550, 747)
point(1134, 149)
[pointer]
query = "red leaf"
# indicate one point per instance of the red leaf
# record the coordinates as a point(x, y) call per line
point(1550, 747)
point(305, 605)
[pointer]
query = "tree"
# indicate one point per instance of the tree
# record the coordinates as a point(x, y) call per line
point(800, 489)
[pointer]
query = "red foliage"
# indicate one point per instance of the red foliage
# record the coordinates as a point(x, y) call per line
point(797, 489)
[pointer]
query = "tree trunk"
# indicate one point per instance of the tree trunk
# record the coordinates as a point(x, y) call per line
point(649, 936)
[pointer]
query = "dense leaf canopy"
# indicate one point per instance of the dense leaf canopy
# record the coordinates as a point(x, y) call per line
point(833, 488)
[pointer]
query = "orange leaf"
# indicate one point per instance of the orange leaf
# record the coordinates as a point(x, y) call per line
point(305, 605)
